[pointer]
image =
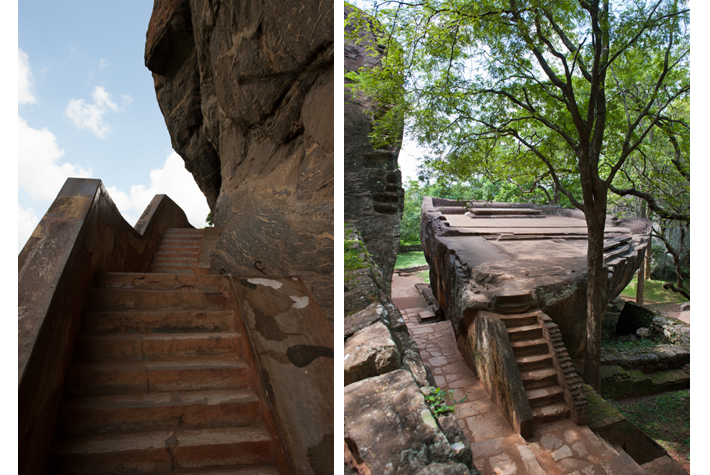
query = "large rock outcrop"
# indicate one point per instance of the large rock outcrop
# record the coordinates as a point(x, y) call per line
point(246, 89)
point(374, 198)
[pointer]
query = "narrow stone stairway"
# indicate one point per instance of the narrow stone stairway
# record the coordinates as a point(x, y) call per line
point(159, 382)
point(178, 251)
point(540, 379)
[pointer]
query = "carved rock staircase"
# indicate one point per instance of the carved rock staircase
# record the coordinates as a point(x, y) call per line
point(158, 382)
point(540, 379)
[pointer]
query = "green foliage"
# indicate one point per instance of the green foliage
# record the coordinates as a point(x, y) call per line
point(436, 400)
point(209, 219)
point(653, 291)
point(665, 418)
point(410, 259)
point(353, 255)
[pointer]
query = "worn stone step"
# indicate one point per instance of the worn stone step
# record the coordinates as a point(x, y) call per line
point(190, 247)
point(173, 231)
point(177, 259)
point(148, 281)
point(206, 408)
point(529, 363)
point(235, 470)
point(162, 321)
point(142, 377)
point(550, 413)
point(529, 347)
point(525, 332)
point(162, 451)
point(142, 347)
point(544, 396)
point(101, 299)
point(622, 464)
point(518, 320)
point(539, 378)
point(168, 268)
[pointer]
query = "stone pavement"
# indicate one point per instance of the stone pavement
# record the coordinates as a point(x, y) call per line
point(556, 448)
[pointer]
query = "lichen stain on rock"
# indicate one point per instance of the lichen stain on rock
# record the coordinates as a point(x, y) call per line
point(299, 302)
point(428, 418)
point(303, 355)
point(268, 327)
point(275, 284)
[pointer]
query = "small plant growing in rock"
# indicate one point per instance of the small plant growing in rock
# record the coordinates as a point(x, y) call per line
point(436, 400)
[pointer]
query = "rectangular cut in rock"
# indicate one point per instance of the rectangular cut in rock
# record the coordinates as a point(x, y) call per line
point(427, 316)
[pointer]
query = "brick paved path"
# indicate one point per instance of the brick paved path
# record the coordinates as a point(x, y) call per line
point(556, 448)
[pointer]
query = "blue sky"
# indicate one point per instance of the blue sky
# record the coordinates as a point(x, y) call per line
point(87, 107)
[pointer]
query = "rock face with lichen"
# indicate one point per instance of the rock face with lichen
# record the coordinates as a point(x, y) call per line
point(246, 89)
point(374, 198)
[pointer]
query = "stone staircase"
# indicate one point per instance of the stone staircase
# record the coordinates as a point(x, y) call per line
point(540, 379)
point(178, 251)
point(160, 381)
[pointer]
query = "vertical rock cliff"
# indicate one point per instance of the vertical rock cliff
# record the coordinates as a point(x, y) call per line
point(246, 89)
point(374, 198)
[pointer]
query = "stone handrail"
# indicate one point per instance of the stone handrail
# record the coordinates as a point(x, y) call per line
point(82, 233)
point(568, 379)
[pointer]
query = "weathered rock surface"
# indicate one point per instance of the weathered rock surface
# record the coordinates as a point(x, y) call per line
point(371, 315)
point(509, 257)
point(246, 90)
point(370, 352)
point(389, 427)
point(374, 198)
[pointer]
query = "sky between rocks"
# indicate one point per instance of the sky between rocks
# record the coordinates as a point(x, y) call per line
point(87, 108)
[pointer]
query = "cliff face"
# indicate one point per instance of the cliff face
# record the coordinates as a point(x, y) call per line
point(374, 198)
point(246, 89)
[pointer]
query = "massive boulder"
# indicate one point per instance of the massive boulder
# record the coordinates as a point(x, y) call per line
point(374, 198)
point(246, 89)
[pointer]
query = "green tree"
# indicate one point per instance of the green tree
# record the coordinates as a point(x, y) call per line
point(524, 88)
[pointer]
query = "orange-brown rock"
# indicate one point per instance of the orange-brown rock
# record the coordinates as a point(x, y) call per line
point(246, 89)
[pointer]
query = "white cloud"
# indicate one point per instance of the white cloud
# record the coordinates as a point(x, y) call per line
point(172, 180)
point(26, 92)
point(26, 223)
point(90, 116)
point(103, 64)
point(39, 172)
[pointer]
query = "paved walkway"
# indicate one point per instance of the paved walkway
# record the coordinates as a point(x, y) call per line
point(558, 448)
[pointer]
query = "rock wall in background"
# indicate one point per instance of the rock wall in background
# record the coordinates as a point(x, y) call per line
point(246, 89)
point(374, 198)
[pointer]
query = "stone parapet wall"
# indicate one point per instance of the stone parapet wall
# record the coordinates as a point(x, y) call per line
point(388, 426)
point(487, 349)
point(648, 360)
point(567, 377)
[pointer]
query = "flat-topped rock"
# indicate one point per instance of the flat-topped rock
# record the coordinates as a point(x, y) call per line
point(486, 257)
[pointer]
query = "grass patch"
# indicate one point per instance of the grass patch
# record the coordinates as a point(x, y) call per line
point(424, 275)
point(665, 418)
point(410, 259)
point(653, 291)
point(352, 257)
point(631, 344)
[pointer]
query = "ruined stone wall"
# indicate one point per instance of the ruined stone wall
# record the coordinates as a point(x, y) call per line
point(246, 89)
point(374, 198)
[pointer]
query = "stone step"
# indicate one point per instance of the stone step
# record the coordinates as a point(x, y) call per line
point(529, 363)
point(103, 379)
point(207, 408)
point(525, 332)
point(545, 396)
point(147, 281)
point(518, 320)
point(550, 413)
point(179, 246)
point(176, 252)
point(174, 231)
point(142, 347)
point(530, 347)
point(163, 321)
point(539, 378)
point(235, 470)
point(512, 301)
point(169, 268)
point(622, 464)
point(177, 259)
point(101, 299)
point(162, 451)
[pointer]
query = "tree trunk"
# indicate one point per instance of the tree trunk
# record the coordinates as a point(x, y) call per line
point(596, 294)
point(642, 268)
point(649, 250)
